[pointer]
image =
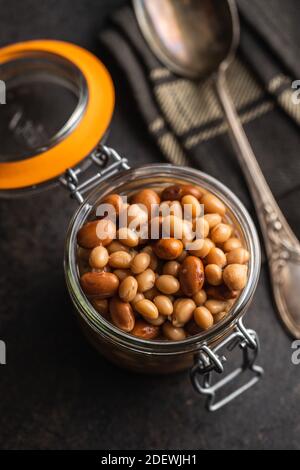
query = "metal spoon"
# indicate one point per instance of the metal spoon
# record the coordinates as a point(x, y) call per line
point(196, 39)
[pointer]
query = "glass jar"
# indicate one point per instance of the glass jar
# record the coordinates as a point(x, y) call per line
point(47, 141)
point(200, 353)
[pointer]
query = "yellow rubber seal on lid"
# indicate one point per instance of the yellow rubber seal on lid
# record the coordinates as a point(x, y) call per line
point(78, 144)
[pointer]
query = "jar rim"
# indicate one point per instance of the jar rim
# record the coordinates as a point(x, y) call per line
point(190, 175)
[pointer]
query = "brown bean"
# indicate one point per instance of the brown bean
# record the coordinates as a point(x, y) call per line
point(168, 208)
point(172, 332)
point(172, 268)
point(106, 231)
point(215, 306)
point(144, 235)
point(237, 256)
point(153, 259)
point(189, 189)
point(132, 253)
point(144, 330)
point(167, 284)
point(121, 314)
point(172, 193)
point(212, 204)
point(200, 297)
point(136, 215)
point(216, 256)
point(153, 262)
point(213, 274)
point(201, 228)
point(98, 257)
point(213, 219)
point(151, 293)
point(221, 233)
point(168, 248)
point(97, 232)
point(139, 296)
point(146, 280)
point(146, 308)
point(232, 244)
point(183, 311)
point(191, 275)
point(156, 321)
point(119, 260)
point(203, 249)
point(171, 297)
point(140, 263)
point(182, 257)
point(122, 273)
point(203, 318)
point(191, 206)
point(175, 208)
point(221, 292)
point(179, 293)
point(128, 289)
point(188, 233)
point(106, 269)
point(163, 304)
point(115, 245)
point(177, 191)
point(128, 237)
point(115, 200)
point(101, 305)
point(147, 249)
point(147, 197)
point(103, 285)
point(194, 246)
point(188, 239)
point(235, 276)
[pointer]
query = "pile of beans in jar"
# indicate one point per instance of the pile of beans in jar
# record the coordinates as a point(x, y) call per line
point(162, 288)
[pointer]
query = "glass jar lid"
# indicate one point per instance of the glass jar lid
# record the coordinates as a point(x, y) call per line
point(58, 104)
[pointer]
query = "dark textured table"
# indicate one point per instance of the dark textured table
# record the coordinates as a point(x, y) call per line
point(56, 392)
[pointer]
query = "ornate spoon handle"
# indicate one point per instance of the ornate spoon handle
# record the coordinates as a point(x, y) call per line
point(282, 246)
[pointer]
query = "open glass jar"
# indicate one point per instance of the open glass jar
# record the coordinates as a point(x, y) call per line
point(201, 352)
point(56, 152)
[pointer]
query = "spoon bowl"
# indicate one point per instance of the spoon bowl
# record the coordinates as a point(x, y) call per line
point(192, 38)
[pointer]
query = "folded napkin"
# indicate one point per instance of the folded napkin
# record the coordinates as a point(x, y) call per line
point(185, 119)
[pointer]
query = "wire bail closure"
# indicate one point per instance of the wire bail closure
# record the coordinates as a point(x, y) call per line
point(208, 361)
point(100, 157)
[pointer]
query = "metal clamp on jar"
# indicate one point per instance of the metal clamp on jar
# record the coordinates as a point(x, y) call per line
point(59, 104)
